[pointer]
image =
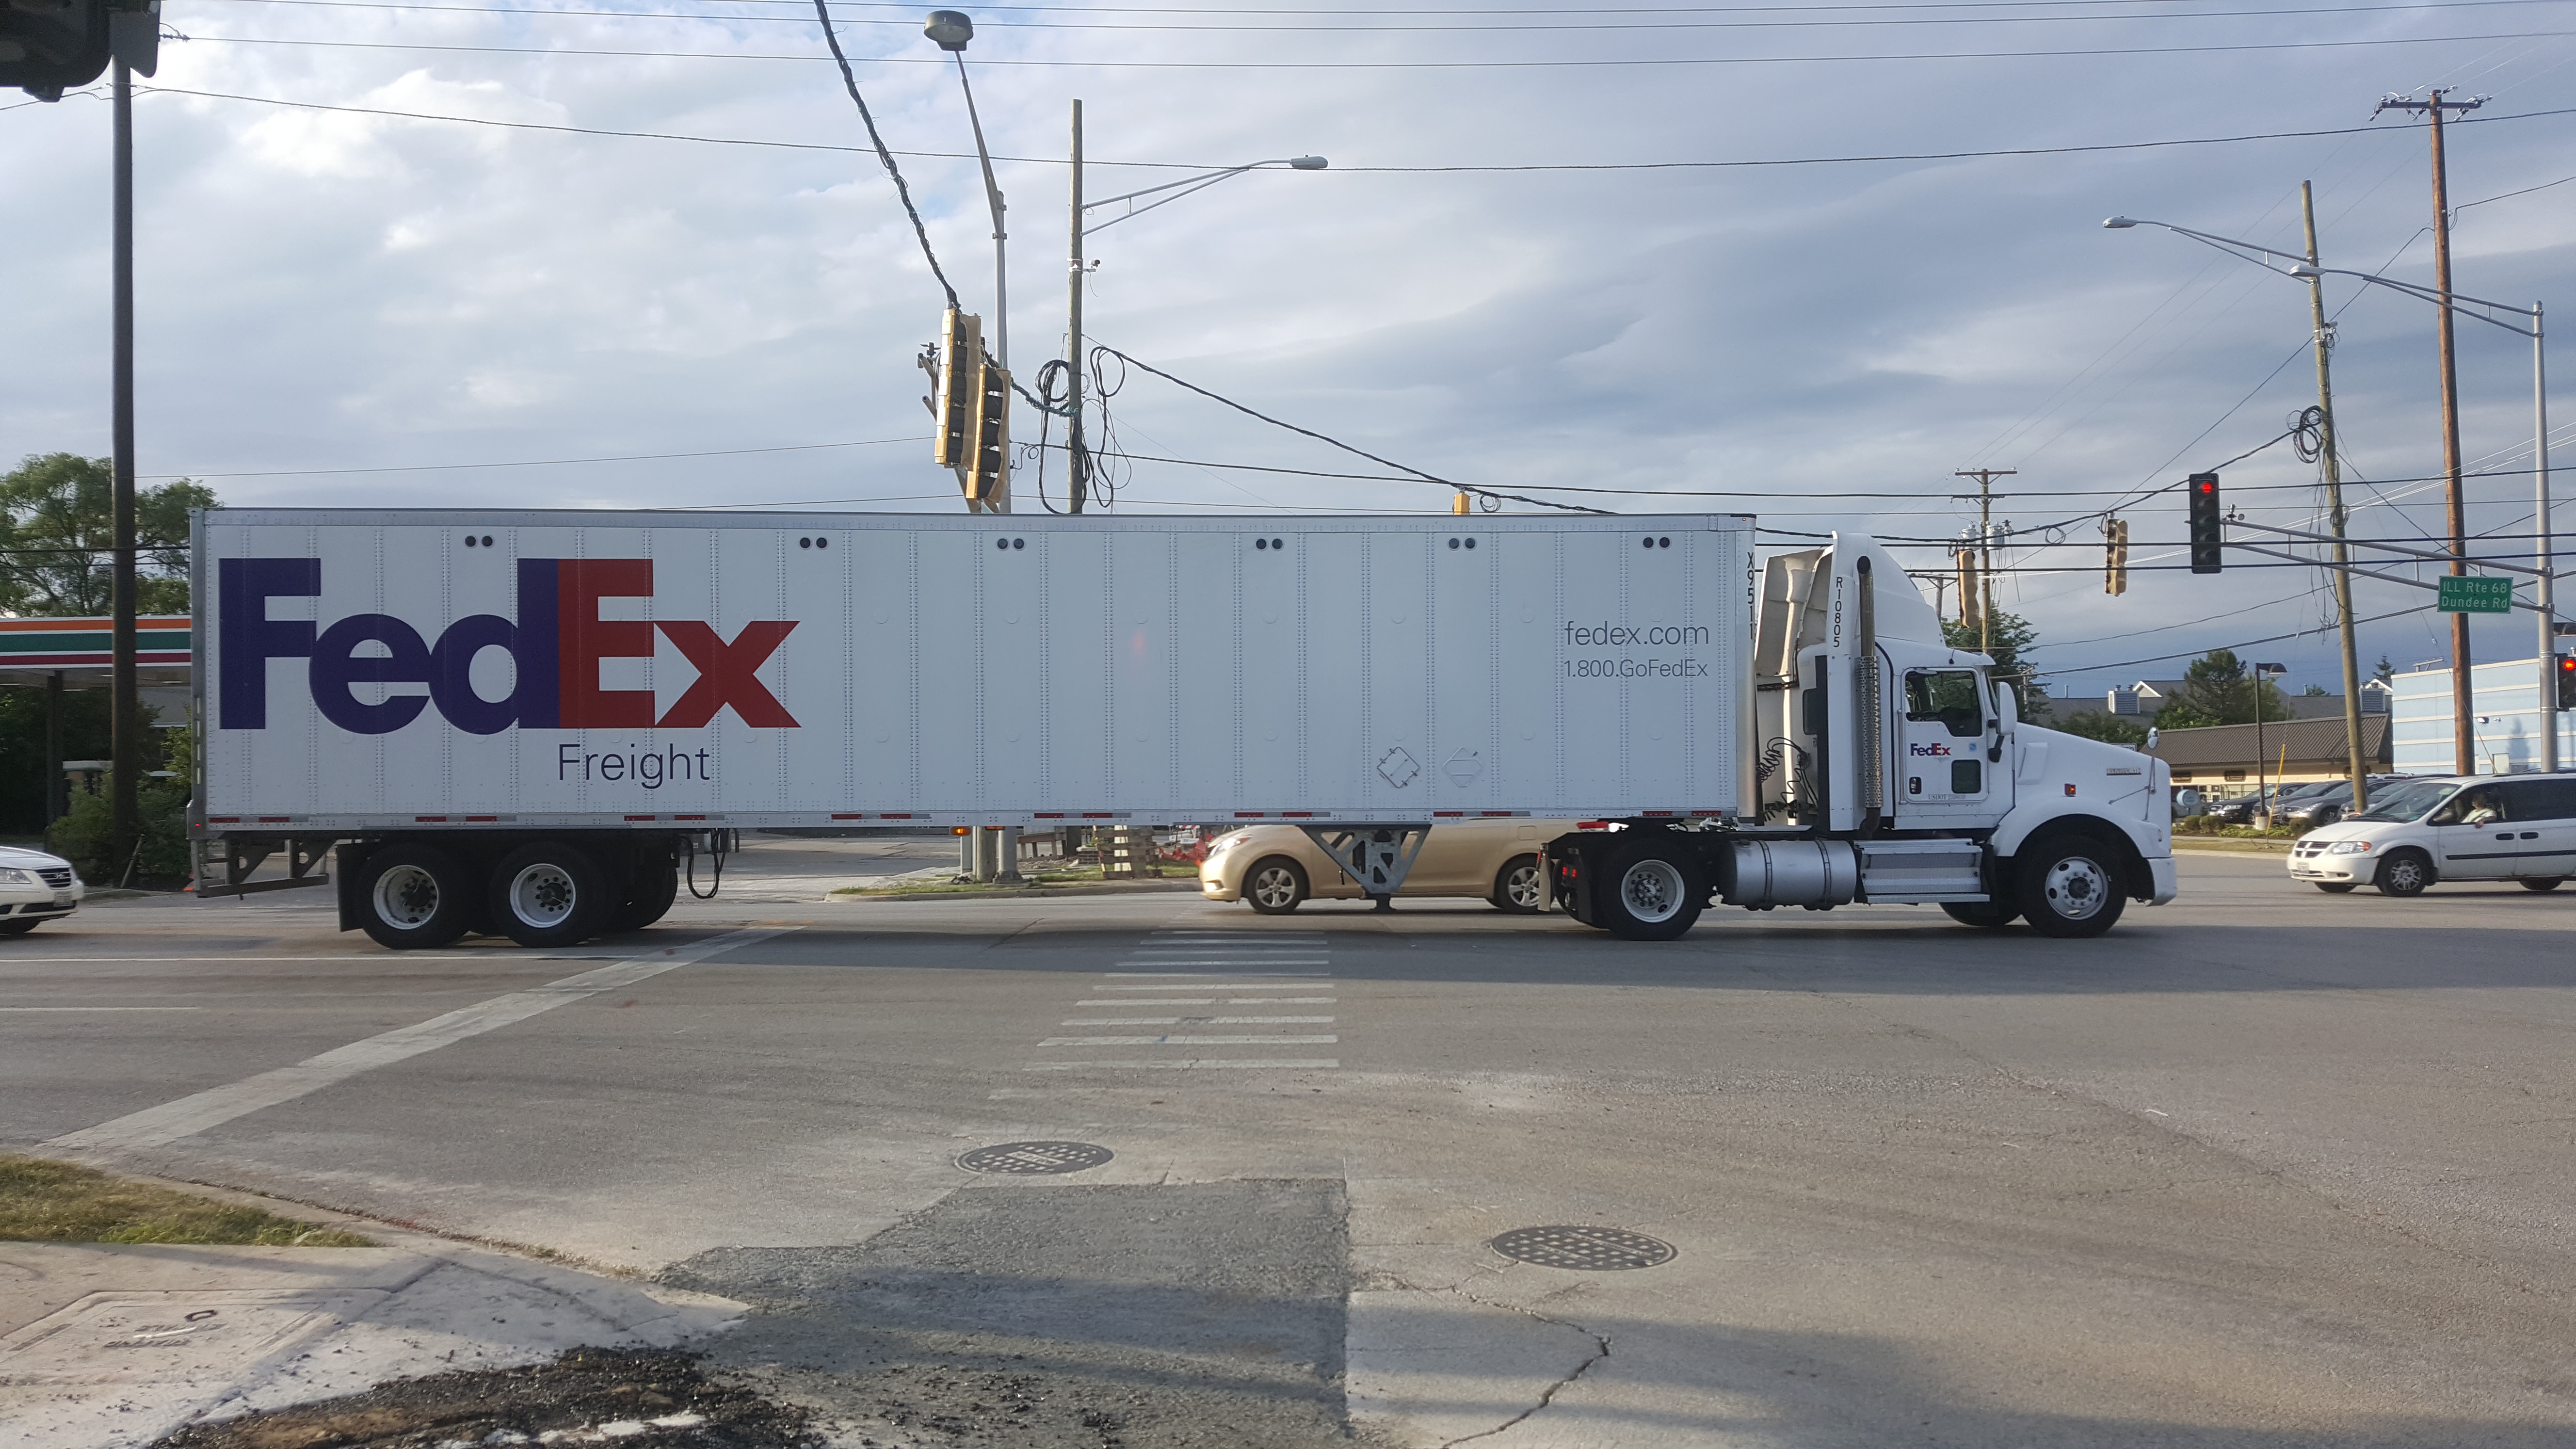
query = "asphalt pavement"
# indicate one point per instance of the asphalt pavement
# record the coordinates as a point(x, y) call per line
point(2262, 1167)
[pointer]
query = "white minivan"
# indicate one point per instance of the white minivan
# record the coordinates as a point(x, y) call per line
point(2481, 827)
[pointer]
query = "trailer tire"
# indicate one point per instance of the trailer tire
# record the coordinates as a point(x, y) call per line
point(657, 885)
point(1651, 892)
point(548, 894)
point(412, 897)
point(2069, 886)
point(1520, 887)
point(1275, 885)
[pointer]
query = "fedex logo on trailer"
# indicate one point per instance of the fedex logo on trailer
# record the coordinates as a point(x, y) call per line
point(555, 644)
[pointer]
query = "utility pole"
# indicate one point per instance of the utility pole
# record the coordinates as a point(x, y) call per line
point(125, 720)
point(2464, 750)
point(1077, 463)
point(2356, 760)
point(1985, 550)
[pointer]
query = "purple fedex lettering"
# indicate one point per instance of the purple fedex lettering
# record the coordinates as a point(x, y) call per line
point(555, 646)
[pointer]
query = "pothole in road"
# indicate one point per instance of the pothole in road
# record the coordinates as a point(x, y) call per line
point(1035, 1159)
point(1583, 1249)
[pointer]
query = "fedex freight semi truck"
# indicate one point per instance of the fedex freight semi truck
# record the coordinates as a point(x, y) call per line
point(537, 723)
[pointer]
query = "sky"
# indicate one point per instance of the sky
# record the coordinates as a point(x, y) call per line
point(1622, 250)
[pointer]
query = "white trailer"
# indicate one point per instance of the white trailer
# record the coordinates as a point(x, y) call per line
point(526, 722)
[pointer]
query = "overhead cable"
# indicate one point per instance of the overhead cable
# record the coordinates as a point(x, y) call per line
point(823, 13)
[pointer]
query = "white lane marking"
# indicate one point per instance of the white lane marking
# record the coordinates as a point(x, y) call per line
point(1205, 975)
point(203, 1111)
point(1186, 1040)
point(1184, 1063)
point(1199, 1021)
point(1210, 1001)
point(101, 1008)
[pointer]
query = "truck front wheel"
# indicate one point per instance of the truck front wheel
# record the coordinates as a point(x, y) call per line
point(413, 896)
point(1652, 892)
point(548, 894)
point(2069, 886)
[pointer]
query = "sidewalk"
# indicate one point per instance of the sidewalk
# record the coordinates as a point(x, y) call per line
point(111, 1346)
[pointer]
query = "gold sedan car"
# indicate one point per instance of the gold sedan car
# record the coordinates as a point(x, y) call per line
point(1277, 868)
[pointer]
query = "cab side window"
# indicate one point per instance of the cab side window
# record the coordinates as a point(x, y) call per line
point(1947, 697)
point(2481, 804)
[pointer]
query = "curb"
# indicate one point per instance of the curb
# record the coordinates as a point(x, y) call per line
point(2234, 847)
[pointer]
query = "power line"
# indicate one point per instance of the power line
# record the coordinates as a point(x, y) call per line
point(1338, 21)
point(1195, 166)
point(541, 462)
point(822, 12)
point(1338, 443)
point(1554, 64)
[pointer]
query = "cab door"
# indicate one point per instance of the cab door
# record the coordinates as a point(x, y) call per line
point(2476, 836)
point(1940, 776)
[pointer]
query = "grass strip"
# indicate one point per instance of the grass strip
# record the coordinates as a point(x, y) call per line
point(61, 1202)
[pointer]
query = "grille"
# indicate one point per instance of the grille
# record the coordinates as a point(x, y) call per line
point(57, 876)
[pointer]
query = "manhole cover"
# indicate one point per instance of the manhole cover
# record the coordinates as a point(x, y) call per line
point(1027, 1159)
point(1590, 1250)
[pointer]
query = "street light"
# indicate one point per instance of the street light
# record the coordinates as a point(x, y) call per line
point(2264, 674)
point(2314, 275)
point(951, 30)
point(1077, 465)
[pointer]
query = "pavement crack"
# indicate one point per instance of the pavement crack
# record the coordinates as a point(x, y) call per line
point(1547, 1396)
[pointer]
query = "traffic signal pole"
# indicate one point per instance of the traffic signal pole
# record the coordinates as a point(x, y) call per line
point(1077, 469)
point(125, 728)
point(2356, 761)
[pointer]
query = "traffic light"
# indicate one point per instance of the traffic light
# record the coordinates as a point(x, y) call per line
point(988, 424)
point(49, 45)
point(959, 375)
point(2205, 534)
point(2566, 672)
point(2115, 556)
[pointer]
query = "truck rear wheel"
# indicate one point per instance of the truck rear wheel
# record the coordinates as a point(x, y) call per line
point(2069, 886)
point(413, 896)
point(1652, 892)
point(657, 885)
point(548, 894)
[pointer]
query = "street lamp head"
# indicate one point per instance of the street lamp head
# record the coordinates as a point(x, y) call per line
point(2307, 271)
point(2117, 223)
point(1307, 163)
point(950, 28)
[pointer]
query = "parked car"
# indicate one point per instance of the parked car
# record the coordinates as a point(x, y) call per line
point(1277, 868)
point(2474, 828)
point(2240, 811)
point(36, 888)
point(2327, 806)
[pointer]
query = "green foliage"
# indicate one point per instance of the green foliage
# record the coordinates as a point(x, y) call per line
point(2217, 691)
point(24, 765)
point(2095, 725)
point(2385, 672)
point(2313, 691)
point(81, 836)
point(2012, 634)
point(63, 505)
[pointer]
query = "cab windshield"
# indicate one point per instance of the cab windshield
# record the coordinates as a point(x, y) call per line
point(2407, 803)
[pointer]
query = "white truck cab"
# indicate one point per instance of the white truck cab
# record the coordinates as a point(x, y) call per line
point(1887, 766)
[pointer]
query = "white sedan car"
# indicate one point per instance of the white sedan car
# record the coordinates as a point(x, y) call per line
point(35, 888)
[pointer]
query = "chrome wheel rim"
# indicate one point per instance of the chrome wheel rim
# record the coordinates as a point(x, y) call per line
point(2405, 873)
point(407, 897)
point(543, 895)
point(1274, 886)
point(1525, 887)
point(2077, 888)
point(1652, 891)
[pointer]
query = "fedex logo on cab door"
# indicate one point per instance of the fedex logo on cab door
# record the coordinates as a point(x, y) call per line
point(556, 644)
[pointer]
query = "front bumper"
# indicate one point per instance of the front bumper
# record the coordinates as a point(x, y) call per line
point(2312, 863)
point(1214, 886)
point(36, 903)
point(2160, 872)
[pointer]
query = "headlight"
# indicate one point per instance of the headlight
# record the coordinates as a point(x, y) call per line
point(12, 876)
point(1225, 843)
point(2349, 847)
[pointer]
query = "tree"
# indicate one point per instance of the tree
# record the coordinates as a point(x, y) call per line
point(2313, 691)
point(2093, 724)
point(2386, 671)
point(58, 527)
point(2217, 691)
point(2011, 635)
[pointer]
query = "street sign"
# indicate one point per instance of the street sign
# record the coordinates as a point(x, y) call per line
point(2468, 595)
